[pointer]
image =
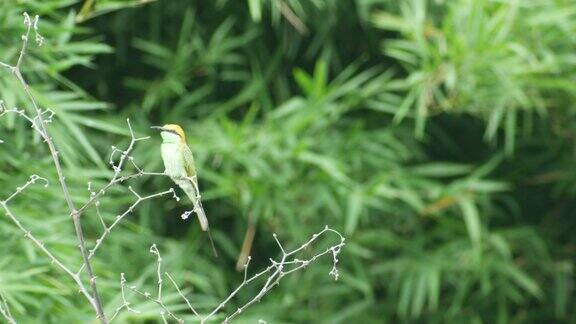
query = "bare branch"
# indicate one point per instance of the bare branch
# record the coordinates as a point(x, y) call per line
point(279, 267)
point(118, 219)
point(118, 168)
point(19, 190)
point(149, 297)
point(154, 250)
point(5, 310)
point(182, 295)
point(19, 112)
point(125, 303)
point(39, 124)
point(278, 242)
point(40, 245)
point(275, 272)
point(158, 300)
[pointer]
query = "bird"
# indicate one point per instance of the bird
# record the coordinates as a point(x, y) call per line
point(180, 167)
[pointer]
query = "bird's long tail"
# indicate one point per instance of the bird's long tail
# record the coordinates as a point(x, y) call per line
point(199, 210)
point(204, 223)
point(191, 190)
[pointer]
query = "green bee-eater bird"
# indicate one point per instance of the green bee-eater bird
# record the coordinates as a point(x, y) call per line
point(180, 167)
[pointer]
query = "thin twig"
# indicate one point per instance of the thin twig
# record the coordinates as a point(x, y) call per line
point(182, 295)
point(125, 303)
point(40, 245)
point(279, 267)
point(275, 272)
point(118, 219)
point(154, 250)
point(5, 310)
point(159, 303)
point(41, 128)
point(38, 123)
point(116, 178)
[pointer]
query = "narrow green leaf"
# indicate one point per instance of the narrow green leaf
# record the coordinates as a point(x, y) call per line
point(472, 219)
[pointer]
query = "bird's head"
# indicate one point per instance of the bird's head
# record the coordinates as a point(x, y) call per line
point(171, 133)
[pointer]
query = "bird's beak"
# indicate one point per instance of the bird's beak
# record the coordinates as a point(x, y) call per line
point(160, 128)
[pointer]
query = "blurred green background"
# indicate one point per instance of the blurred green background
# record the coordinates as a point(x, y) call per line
point(438, 136)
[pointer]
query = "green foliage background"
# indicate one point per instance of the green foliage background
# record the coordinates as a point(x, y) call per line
point(439, 136)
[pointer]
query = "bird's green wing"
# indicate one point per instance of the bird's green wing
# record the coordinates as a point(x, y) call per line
point(189, 162)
